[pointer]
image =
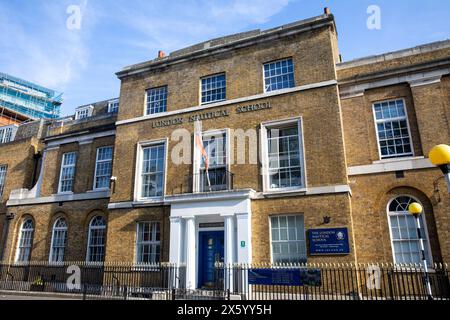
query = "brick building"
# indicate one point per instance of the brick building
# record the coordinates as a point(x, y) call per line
point(331, 149)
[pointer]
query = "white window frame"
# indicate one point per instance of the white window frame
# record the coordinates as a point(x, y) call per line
point(201, 91)
point(138, 177)
point(3, 173)
point(54, 230)
point(423, 228)
point(67, 166)
point(151, 242)
point(273, 61)
point(270, 233)
point(265, 155)
point(197, 164)
point(146, 98)
point(8, 133)
point(94, 187)
point(112, 106)
point(398, 156)
point(79, 112)
point(89, 245)
point(20, 238)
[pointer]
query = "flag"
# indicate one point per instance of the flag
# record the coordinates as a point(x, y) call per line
point(200, 149)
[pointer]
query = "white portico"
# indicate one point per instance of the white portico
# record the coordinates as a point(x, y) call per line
point(225, 214)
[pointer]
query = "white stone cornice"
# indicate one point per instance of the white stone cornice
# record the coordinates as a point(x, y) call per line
point(424, 81)
point(391, 165)
point(21, 197)
point(353, 89)
point(229, 102)
point(83, 139)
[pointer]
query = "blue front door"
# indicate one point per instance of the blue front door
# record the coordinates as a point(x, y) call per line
point(211, 251)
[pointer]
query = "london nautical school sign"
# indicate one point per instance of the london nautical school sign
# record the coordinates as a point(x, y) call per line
point(328, 241)
point(211, 115)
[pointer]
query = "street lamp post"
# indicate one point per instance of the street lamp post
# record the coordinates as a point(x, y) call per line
point(416, 210)
point(440, 156)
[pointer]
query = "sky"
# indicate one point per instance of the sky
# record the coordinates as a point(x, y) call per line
point(77, 46)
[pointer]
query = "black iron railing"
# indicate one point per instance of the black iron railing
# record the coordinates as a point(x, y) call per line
point(166, 281)
point(94, 280)
point(216, 179)
point(335, 282)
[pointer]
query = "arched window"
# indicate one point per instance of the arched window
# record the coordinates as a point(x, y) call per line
point(25, 241)
point(96, 241)
point(404, 236)
point(59, 240)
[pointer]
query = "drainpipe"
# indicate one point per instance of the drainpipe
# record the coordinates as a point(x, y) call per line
point(36, 158)
point(8, 218)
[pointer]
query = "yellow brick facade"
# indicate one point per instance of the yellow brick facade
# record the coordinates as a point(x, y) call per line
point(346, 181)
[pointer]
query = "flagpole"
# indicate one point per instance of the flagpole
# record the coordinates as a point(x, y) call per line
point(201, 149)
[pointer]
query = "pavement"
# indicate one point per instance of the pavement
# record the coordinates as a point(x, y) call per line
point(15, 295)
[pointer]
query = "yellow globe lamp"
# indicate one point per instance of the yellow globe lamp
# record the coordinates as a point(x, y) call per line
point(440, 156)
point(415, 209)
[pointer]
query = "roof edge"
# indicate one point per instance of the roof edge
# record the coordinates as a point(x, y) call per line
point(424, 48)
point(280, 31)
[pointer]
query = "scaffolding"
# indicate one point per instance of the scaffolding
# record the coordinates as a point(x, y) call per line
point(28, 99)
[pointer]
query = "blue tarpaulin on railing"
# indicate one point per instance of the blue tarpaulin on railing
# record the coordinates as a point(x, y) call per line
point(285, 277)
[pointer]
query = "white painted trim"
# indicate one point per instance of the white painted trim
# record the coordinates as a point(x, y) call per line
point(137, 179)
point(391, 166)
point(265, 156)
point(58, 198)
point(50, 255)
point(229, 102)
point(90, 227)
point(393, 119)
point(271, 61)
point(424, 227)
point(200, 88)
point(196, 164)
point(95, 168)
point(61, 170)
point(56, 142)
point(19, 240)
point(89, 108)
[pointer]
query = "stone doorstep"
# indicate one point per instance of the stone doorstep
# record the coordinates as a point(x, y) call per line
point(43, 295)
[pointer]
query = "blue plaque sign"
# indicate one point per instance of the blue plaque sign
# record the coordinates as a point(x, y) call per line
point(285, 277)
point(328, 241)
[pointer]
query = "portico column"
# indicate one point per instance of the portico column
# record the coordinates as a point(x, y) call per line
point(190, 252)
point(176, 248)
point(230, 244)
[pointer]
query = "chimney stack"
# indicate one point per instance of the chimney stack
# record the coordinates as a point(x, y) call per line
point(326, 11)
point(161, 54)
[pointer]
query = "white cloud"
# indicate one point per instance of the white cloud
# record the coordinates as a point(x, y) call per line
point(43, 50)
point(252, 11)
point(166, 26)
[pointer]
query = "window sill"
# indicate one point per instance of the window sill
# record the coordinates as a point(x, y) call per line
point(148, 201)
point(292, 191)
point(211, 102)
point(397, 159)
point(64, 193)
point(98, 190)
